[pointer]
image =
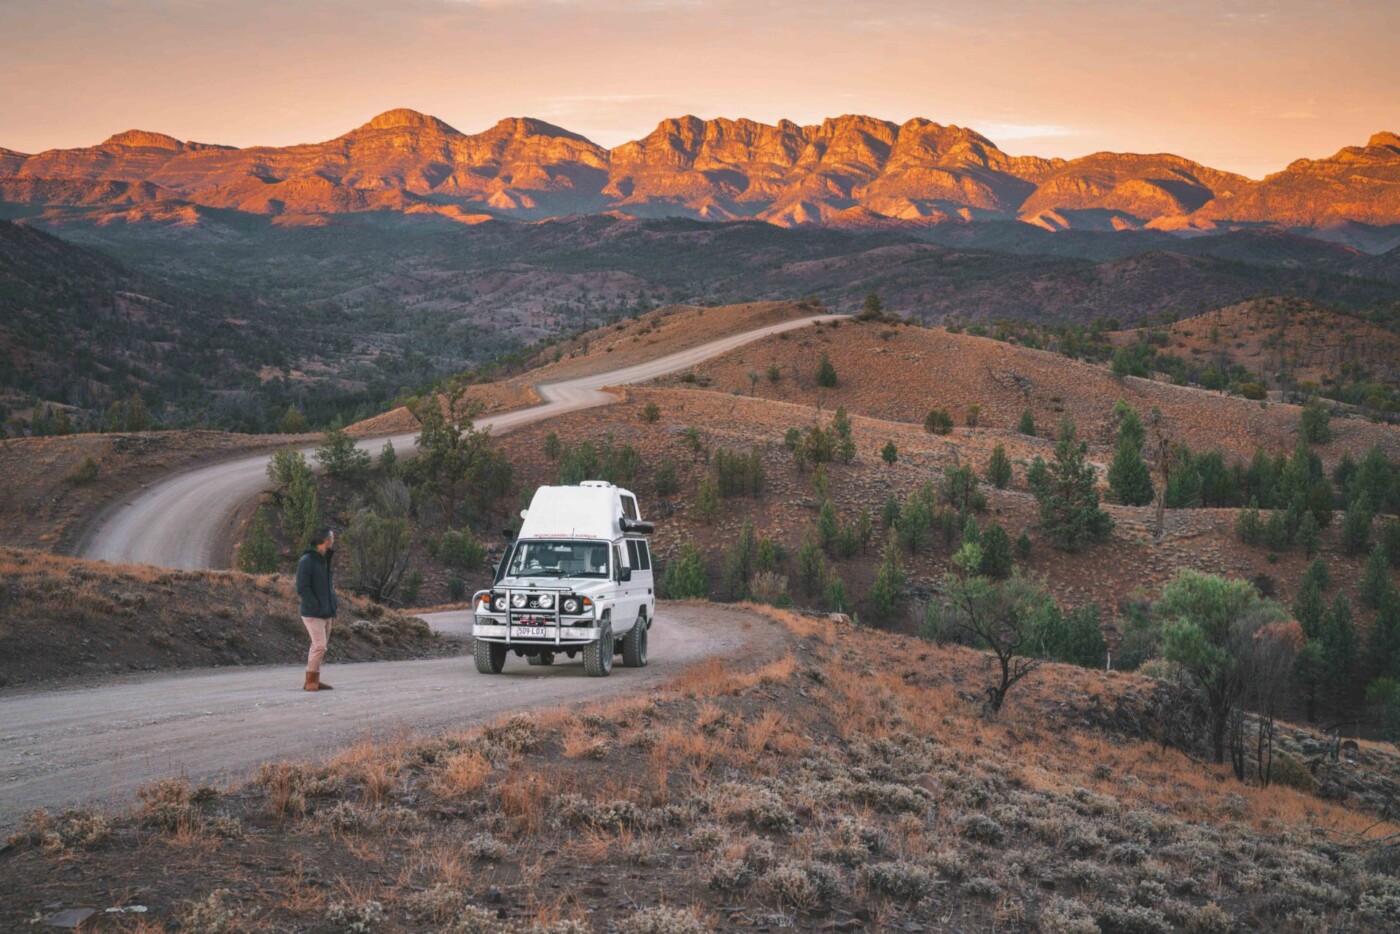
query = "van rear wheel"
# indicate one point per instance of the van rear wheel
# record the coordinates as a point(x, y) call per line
point(490, 656)
point(598, 656)
point(634, 644)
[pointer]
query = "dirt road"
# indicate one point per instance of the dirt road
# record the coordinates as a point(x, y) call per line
point(180, 522)
point(97, 745)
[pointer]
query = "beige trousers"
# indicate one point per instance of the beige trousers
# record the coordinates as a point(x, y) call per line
point(320, 630)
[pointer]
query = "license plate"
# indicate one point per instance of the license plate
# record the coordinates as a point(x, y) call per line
point(529, 632)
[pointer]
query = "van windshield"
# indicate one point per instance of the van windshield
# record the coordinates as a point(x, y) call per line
point(560, 559)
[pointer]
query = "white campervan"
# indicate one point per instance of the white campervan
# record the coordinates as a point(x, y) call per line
point(577, 578)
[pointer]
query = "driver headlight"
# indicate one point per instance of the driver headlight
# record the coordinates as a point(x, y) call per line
point(546, 600)
point(517, 600)
point(500, 604)
point(571, 605)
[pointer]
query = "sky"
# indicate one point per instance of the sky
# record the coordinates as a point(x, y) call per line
point(1242, 85)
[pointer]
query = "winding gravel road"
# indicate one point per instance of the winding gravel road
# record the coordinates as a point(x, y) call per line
point(180, 522)
point(97, 744)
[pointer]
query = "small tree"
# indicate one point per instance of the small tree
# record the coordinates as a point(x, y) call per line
point(996, 562)
point(1027, 424)
point(774, 373)
point(340, 458)
point(1308, 607)
point(959, 488)
point(378, 553)
point(301, 508)
point(972, 415)
point(1001, 616)
point(685, 576)
point(1356, 527)
point(826, 373)
point(1314, 423)
point(651, 414)
point(293, 422)
point(872, 309)
point(1339, 648)
point(888, 589)
point(889, 453)
point(1069, 503)
point(1375, 579)
point(999, 468)
point(707, 499)
point(257, 554)
point(938, 422)
point(389, 460)
point(1128, 475)
point(665, 481)
point(1309, 536)
point(1208, 623)
point(457, 460)
point(552, 446)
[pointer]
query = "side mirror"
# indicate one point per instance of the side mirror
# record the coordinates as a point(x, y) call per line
point(624, 574)
point(508, 533)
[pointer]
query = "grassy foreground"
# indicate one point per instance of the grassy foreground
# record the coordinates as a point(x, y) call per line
point(851, 783)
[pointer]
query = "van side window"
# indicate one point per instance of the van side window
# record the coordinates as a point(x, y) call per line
point(632, 560)
point(629, 507)
point(645, 554)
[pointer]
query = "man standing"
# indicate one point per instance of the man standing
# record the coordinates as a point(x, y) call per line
point(316, 588)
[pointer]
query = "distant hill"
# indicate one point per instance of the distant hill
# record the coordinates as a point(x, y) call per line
point(851, 171)
point(80, 329)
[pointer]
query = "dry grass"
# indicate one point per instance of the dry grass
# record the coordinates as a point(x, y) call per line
point(796, 792)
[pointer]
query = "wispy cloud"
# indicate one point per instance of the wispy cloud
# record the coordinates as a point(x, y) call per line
point(1026, 130)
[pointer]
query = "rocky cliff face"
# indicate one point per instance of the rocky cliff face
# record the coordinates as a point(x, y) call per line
point(1359, 183)
point(851, 171)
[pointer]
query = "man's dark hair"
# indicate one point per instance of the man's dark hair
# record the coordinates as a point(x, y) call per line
point(320, 535)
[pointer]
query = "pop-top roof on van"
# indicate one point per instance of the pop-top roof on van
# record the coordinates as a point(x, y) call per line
point(590, 510)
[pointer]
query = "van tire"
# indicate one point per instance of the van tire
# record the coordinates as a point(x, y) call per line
point(490, 656)
point(540, 658)
point(598, 656)
point(634, 644)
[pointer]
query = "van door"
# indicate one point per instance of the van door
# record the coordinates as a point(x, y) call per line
point(626, 605)
point(643, 577)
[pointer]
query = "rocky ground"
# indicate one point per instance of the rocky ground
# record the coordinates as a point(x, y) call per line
point(854, 783)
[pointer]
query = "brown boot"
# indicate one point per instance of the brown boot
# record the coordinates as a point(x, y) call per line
point(313, 681)
point(321, 685)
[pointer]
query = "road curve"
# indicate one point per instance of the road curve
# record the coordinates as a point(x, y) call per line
point(180, 521)
point(96, 745)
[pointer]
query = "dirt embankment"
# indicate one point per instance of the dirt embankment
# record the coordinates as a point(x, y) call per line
point(47, 499)
point(851, 784)
point(61, 618)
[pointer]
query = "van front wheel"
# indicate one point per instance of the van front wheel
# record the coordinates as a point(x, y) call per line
point(598, 656)
point(490, 657)
point(634, 644)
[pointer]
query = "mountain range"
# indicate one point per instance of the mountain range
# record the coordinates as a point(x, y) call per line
point(852, 172)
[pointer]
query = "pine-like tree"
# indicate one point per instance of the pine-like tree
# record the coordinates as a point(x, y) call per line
point(1027, 424)
point(826, 373)
point(1375, 579)
point(999, 468)
point(1069, 504)
point(996, 561)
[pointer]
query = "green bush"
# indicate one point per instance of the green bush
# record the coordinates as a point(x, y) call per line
point(685, 575)
point(461, 549)
point(938, 422)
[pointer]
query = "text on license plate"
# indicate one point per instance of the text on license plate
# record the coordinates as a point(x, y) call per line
point(529, 632)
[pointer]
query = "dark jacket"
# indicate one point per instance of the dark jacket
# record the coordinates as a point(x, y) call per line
point(316, 585)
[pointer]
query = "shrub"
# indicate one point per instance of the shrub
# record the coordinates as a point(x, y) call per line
point(257, 554)
point(685, 575)
point(826, 373)
point(972, 415)
point(938, 422)
point(738, 474)
point(999, 468)
point(889, 453)
point(456, 588)
point(1069, 503)
point(665, 480)
point(86, 472)
point(378, 549)
point(410, 587)
point(461, 549)
point(1314, 423)
point(340, 457)
point(652, 413)
point(1027, 423)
